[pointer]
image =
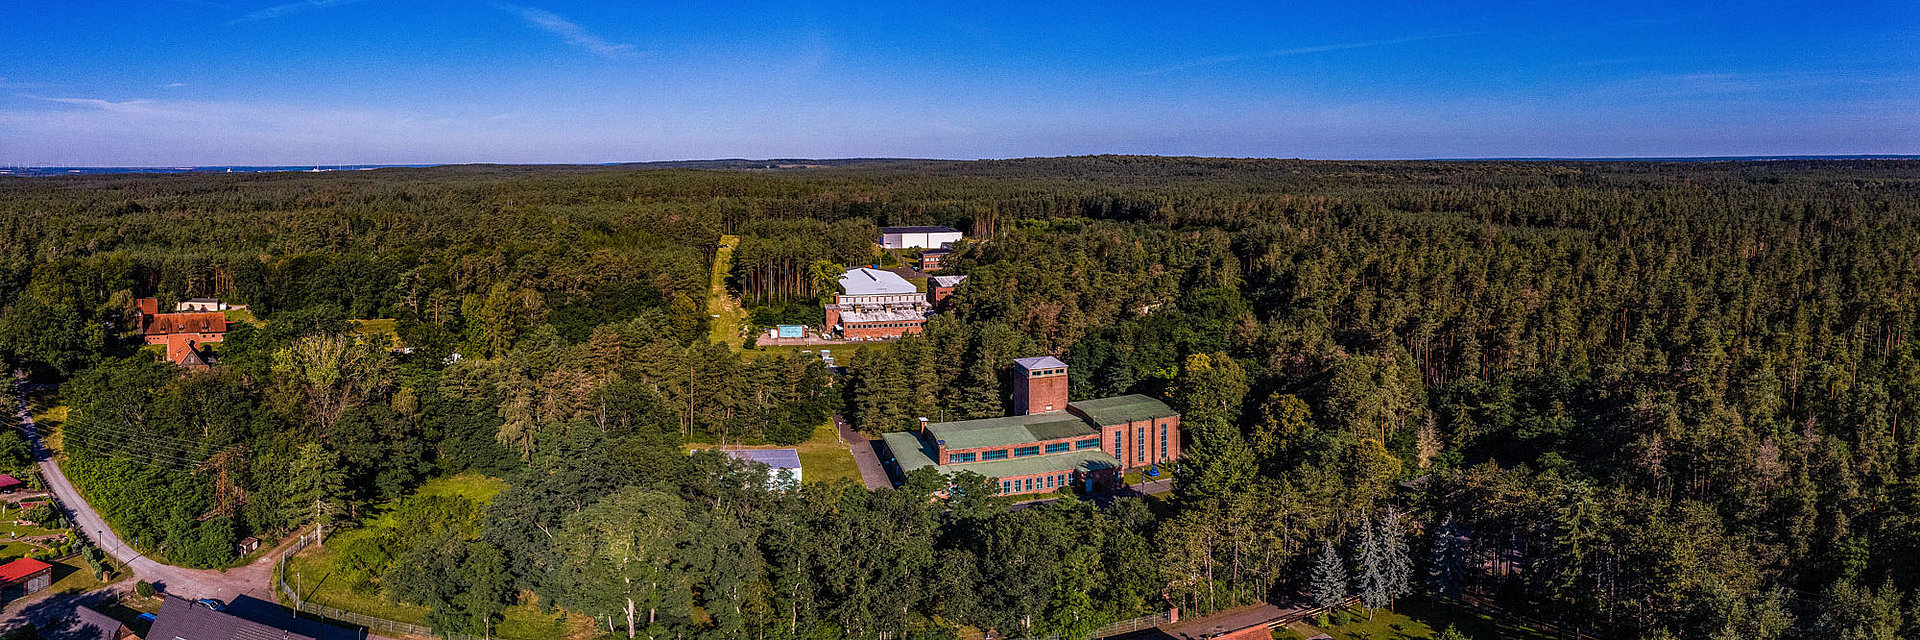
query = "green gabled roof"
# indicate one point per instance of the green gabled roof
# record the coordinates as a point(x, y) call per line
point(910, 453)
point(1122, 409)
point(1010, 430)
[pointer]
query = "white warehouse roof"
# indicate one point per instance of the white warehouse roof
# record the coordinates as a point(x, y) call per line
point(872, 282)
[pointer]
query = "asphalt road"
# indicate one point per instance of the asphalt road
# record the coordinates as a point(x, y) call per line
point(251, 582)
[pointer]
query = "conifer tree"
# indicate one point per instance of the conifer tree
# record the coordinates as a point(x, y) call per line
point(1397, 566)
point(1329, 579)
point(1371, 583)
point(1443, 561)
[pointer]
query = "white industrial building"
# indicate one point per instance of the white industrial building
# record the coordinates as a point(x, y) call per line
point(918, 237)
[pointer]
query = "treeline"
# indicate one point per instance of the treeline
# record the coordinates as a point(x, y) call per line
point(1647, 399)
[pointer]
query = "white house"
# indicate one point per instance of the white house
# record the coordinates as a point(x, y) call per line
point(918, 237)
point(201, 304)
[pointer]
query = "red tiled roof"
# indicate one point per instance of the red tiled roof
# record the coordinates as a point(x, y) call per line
point(170, 323)
point(147, 306)
point(9, 481)
point(22, 569)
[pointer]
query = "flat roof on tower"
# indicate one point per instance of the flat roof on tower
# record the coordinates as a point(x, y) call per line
point(918, 230)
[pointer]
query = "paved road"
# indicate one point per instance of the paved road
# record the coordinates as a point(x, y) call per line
point(863, 455)
point(251, 580)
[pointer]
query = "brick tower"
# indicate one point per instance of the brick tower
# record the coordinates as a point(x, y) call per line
point(1039, 385)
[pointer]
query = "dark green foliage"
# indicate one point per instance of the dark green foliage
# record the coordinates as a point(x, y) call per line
point(1639, 398)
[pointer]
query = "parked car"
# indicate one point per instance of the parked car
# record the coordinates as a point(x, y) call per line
point(211, 603)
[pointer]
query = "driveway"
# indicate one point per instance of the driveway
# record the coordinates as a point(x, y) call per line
point(874, 475)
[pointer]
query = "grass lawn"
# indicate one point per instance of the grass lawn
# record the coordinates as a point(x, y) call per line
point(241, 315)
point(77, 578)
point(1419, 620)
point(378, 326)
point(48, 414)
point(727, 314)
point(312, 572)
point(822, 457)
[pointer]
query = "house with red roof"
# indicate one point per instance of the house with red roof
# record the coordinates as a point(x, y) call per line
point(181, 333)
point(10, 484)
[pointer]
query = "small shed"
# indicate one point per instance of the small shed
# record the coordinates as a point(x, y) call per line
point(248, 545)
point(10, 484)
point(26, 574)
point(91, 624)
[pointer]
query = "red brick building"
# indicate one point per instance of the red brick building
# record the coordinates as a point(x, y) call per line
point(939, 288)
point(1049, 443)
point(181, 333)
point(876, 304)
point(931, 259)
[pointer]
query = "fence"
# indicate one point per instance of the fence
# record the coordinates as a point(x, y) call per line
point(380, 626)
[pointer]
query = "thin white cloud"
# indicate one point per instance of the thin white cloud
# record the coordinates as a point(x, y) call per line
point(1292, 51)
point(174, 85)
point(290, 8)
point(567, 30)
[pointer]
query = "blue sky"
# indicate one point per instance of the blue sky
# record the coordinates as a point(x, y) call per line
point(186, 82)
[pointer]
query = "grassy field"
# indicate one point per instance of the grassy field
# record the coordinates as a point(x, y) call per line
point(727, 314)
point(48, 414)
point(241, 315)
point(822, 457)
point(379, 326)
point(312, 572)
point(1418, 620)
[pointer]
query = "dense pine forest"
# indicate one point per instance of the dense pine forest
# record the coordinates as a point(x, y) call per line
point(1647, 399)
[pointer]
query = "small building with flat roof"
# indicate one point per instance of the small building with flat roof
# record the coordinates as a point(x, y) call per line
point(783, 465)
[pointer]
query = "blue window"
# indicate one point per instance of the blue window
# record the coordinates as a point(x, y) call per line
point(997, 454)
point(1050, 480)
point(961, 457)
point(1163, 441)
point(1006, 487)
point(1119, 445)
point(1089, 443)
point(1058, 447)
point(1029, 484)
point(1023, 452)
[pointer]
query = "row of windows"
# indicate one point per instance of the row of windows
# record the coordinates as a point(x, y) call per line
point(1140, 444)
point(1045, 372)
point(1022, 452)
point(1028, 485)
point(884, 325)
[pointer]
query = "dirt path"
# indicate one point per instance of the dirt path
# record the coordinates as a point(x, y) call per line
point(726, 314)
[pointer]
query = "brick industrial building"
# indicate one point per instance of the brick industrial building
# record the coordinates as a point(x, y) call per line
point(1049, 443)
point(876, 304)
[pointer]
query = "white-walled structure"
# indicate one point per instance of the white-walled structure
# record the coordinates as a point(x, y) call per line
point(918, 237)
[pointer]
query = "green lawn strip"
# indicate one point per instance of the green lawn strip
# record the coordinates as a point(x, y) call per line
point(241, 315)
point(312, 571)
